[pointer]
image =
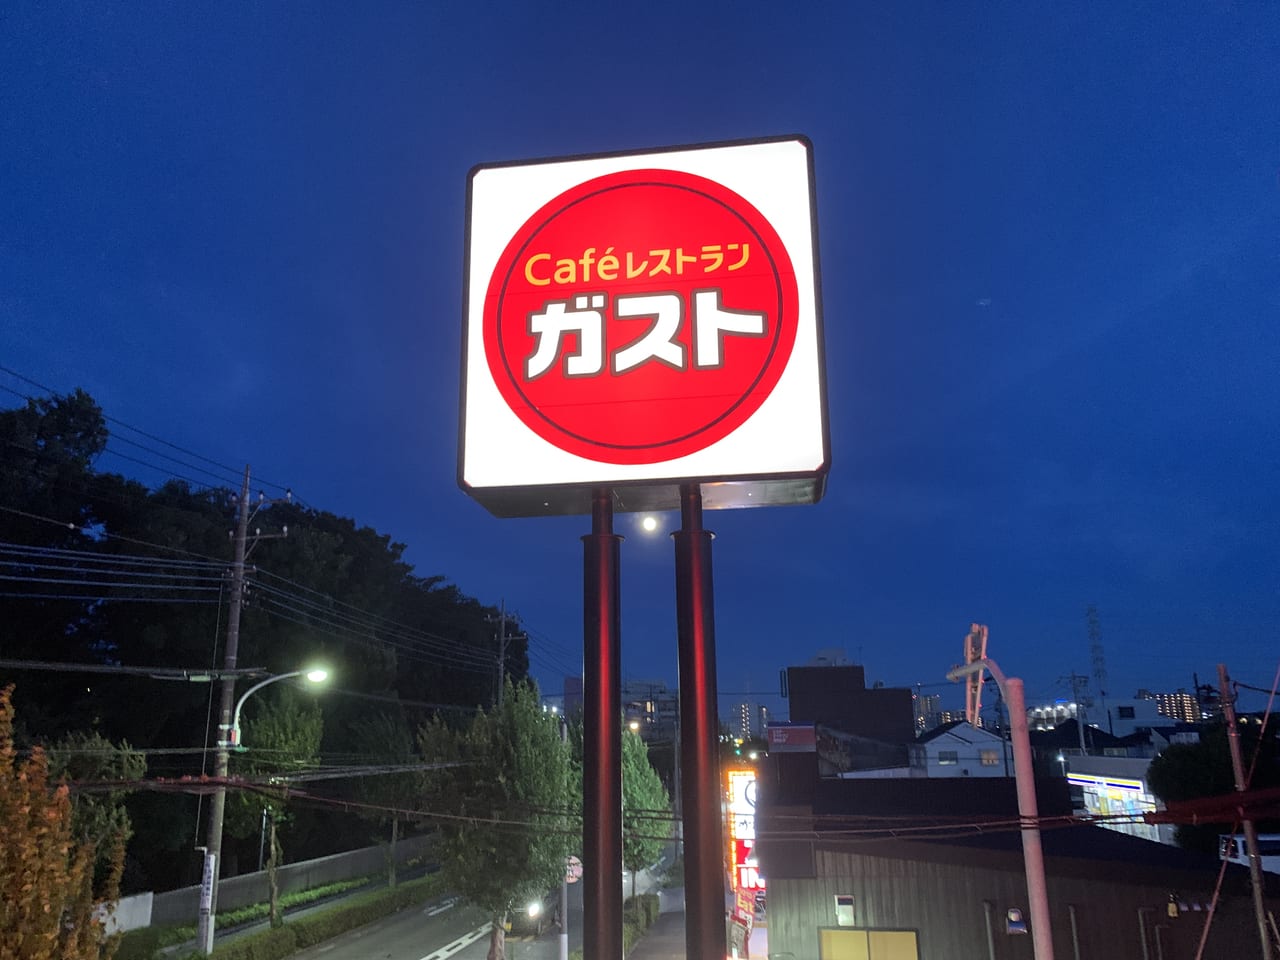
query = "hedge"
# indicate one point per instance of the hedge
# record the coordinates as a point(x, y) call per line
point(359, 910)
point(267, 945)
point(297, 933)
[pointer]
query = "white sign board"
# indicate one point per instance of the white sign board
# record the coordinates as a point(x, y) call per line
point(635, 321)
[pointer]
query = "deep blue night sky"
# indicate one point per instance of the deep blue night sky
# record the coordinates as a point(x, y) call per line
point(1051, 281)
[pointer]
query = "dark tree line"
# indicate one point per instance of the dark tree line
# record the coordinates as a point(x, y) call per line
point(401, 647)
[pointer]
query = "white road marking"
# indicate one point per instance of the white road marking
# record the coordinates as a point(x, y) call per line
point(442, 907)
point(445, 952)
point(327, 947)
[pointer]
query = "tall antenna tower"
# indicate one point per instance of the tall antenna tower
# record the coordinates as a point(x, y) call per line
point(1099, 660)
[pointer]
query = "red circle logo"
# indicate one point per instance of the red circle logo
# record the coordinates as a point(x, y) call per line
point(640, 316)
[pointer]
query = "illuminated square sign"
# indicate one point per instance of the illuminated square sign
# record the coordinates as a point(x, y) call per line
point(639, 321)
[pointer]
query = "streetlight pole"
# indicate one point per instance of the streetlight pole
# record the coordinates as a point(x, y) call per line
point(313, 675)
point(228, 740)
point(1024, 777)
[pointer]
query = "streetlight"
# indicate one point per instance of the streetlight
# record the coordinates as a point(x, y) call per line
point(1011, 689)
point(228, 740)
point(313, 675)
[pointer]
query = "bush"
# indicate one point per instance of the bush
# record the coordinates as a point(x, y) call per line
point(358, 911)
point(140, 944)
point(642, 909)
point(268, 945)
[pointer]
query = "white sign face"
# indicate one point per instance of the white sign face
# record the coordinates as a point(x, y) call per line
point(742, 805)
point(641, 321)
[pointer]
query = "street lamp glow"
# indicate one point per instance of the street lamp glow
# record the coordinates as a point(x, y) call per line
point(634, 725)
point(314, 675)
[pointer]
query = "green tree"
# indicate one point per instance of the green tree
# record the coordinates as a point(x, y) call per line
point(331, 589)
point(646, 808)
point(384, 738)
point(503, 809)
point(99, 815)
point(48, 906)
point(1188, 771)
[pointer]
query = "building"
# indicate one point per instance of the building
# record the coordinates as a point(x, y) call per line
point(926, 707)
point(1127, 717)
point(835, 695)
point(864, 869)
point(959, 749)
point(747, 721)
point(1049, 715)
point(956, 749)
point(1117, 786)
point(651, 709)
point(1179, 705)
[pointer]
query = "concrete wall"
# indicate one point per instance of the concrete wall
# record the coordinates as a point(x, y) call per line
point(130, 913)
point(183, 906)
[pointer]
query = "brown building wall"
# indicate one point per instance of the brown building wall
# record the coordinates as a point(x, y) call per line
point(943, 902)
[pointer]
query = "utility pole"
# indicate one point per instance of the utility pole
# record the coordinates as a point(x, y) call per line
point(564, 879)
point(213, 849)
point(1228, 702)
point(217, 811)
point(501, 619)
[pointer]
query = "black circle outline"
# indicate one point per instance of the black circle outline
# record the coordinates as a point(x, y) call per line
point(773, 346)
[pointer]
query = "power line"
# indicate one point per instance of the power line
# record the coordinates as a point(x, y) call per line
point(370, 622)
point(87, 531)
point(5, 594)
point(332, 601)
point(274, 608)
point(143, 433)
point(90, 556)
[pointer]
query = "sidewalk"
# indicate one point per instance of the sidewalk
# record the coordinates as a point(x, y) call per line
point(665, 939)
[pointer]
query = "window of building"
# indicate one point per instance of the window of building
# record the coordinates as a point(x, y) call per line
point(947, 757)
point(868, 944)
point(1125, 713)
point(990, 758)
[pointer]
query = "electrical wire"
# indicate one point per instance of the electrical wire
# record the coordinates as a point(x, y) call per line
point(274, 608)
point(102, 534)
point(98, 597)
point(372, 623)
point(362, 614)
point(89, 556)
point(173, 446)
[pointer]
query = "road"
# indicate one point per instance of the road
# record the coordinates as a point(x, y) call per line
point(441, 929)
point(446, 928)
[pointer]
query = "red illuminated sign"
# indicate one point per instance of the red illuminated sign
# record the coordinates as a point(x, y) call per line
point(640, 316)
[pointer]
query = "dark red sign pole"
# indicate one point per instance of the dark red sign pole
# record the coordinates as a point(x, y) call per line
point(602, 737)
point(704, 933)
